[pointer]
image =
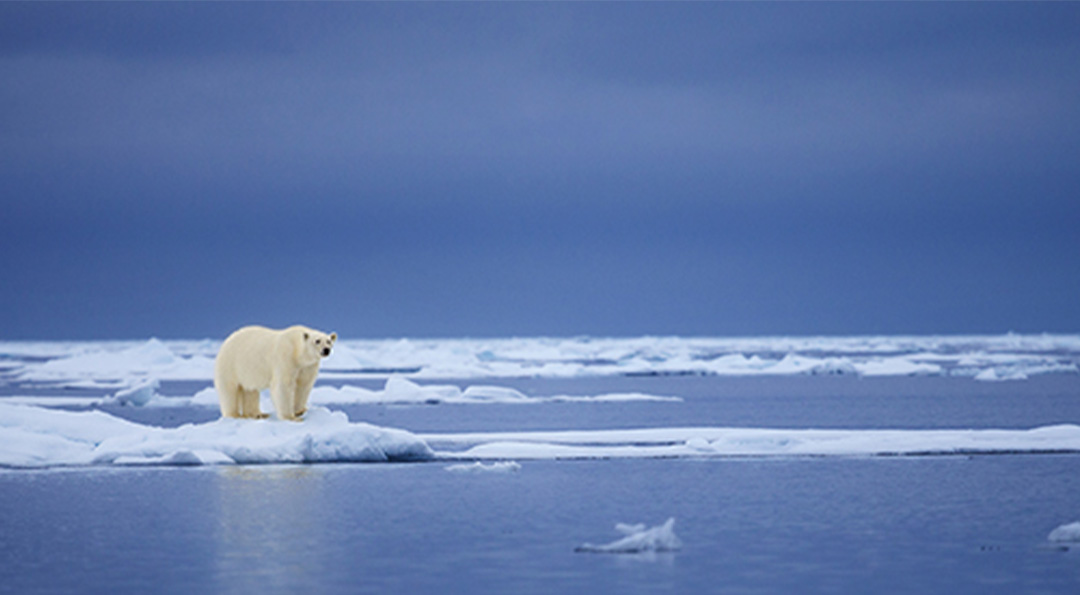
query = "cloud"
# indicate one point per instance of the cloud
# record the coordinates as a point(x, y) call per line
point(690, 102)
point(544, 167)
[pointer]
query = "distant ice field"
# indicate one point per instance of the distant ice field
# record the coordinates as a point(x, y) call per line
point(151, 402)
point(1004, 357)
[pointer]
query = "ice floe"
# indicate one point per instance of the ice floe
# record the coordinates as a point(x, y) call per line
point(478, 467)
point(750, 442)
point(638, 539)
point(106, 363)
point(1068, 534)
point(38, 437)
point(399, 390)
point(139, 395)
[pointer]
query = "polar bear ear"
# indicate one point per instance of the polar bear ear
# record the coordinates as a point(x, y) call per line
point(306, 336)
point(333, 337)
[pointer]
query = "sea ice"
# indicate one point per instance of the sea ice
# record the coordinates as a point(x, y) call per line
point(478, 467)
point(638, 539)
point(37, 437)
point(138, 395)
point(1069, 533)
point(748, 442)
point(983, 357)
point(152, 358)
point(398, 390)
point(41, 437)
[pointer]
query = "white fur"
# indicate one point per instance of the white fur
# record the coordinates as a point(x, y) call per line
point(256, 358)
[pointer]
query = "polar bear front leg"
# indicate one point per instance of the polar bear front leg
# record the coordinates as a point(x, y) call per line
point(304, 382)
point(283, 394)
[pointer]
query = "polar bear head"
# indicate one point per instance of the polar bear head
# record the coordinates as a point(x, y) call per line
point(310, 344)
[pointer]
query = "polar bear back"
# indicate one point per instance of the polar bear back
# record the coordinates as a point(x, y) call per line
point(251, 355)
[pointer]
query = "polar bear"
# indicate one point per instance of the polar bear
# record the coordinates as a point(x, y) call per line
point(285, 361)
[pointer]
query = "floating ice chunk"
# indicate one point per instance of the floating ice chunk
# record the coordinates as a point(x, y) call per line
point(1022, 371)
point(638, 539)
point(897, 366)
point(699, 444)
point(207, 397)
point(478, 467)
point(346, 395)
point(323, 436)
point(794, 364)
point(834, 366)
point(402, 390)
point(758, 442)
point(396, 390)
point(138, 395)
point(36, 437)
point(144, 394)
point(1001, 374)
point(493, 394)
point(1069, 533)
point(735, 363)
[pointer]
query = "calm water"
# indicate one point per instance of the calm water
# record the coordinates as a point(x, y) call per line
point(811, 525)
point(945, 525)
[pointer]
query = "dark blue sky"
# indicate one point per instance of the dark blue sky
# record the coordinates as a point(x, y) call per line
point(488, 169)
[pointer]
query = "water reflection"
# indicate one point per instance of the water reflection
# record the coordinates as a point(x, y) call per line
point(268, 529)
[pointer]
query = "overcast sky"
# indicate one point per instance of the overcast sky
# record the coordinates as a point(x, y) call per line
point(495, 169)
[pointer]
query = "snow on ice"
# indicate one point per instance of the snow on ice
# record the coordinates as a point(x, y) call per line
point(105, 362)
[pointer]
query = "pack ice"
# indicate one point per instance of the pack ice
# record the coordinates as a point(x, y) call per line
point(1007, 357)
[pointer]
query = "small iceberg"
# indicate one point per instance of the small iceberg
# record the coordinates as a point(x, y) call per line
point(139, 395)
point(1066, 535)
point(478, 467)
point(637, 539)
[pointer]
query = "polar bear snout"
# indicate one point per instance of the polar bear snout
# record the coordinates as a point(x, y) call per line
point(325, 351)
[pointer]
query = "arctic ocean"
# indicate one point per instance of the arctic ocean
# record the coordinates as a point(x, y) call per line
point(540, 465)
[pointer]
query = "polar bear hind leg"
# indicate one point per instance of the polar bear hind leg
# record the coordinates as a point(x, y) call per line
point(250, 404)
point(229, 397)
